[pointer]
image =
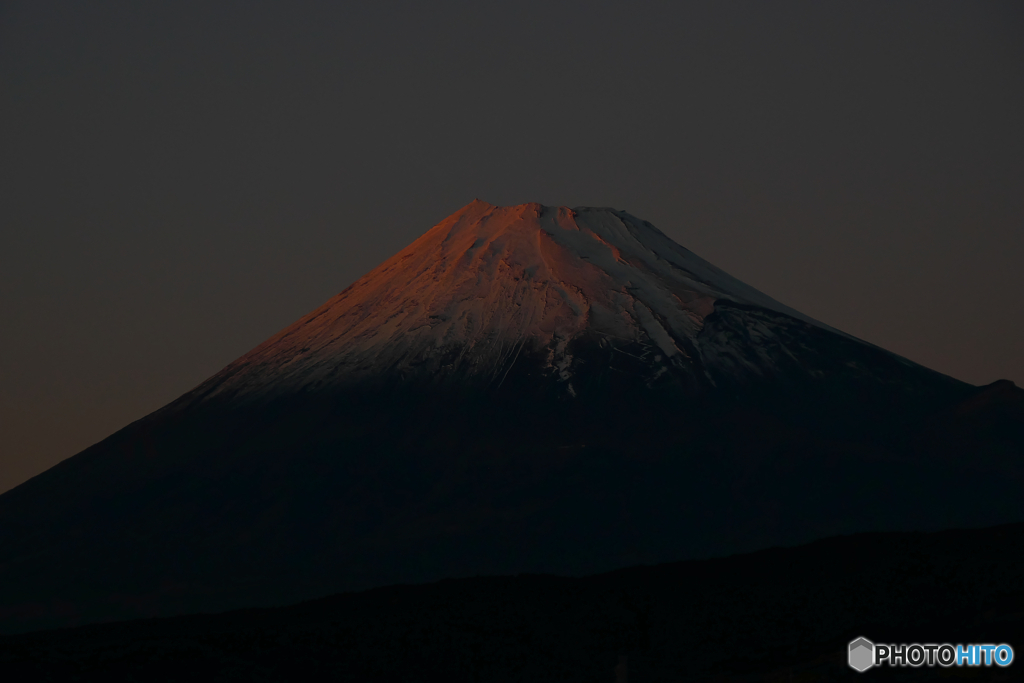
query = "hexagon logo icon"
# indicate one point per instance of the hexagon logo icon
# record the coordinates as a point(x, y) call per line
point(861, 654)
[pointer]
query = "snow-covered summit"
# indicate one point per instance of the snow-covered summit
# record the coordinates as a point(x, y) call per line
point(488, 283)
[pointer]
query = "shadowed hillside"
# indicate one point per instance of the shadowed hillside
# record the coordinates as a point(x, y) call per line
point(778, 615)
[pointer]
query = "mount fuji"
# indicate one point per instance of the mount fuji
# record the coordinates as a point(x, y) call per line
point(521, 389)
point(491, 288)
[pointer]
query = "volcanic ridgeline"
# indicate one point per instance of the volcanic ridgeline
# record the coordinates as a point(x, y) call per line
point(522, 389)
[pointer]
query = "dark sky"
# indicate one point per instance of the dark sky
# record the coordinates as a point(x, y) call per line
point(180, 180)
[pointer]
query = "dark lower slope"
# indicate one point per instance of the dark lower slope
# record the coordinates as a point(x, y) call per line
point(207, 506)
point(775, 615)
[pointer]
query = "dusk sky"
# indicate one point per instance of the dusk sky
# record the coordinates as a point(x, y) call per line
point(180, 180)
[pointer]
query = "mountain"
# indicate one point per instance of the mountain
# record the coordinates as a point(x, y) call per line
point(571, 294)
point(522, 389)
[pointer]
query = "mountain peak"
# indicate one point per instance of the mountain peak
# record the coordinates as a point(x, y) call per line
point(490, 285)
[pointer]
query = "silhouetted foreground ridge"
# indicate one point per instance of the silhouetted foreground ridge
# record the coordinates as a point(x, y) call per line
point(781, 614)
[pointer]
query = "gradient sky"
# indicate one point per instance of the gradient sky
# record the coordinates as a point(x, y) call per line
point(180, 180)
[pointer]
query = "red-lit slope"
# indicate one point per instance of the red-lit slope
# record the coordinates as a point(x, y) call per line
point(469, 296)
